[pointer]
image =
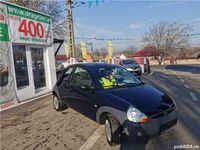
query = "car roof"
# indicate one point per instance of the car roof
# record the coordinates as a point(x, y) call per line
point(127, 59)
point(94, 65)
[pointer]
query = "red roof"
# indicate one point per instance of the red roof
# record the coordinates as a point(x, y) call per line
point(146, 52)
point(61, 58)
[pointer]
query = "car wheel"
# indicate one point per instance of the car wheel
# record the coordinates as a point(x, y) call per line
point(57, 104)
point(113, 130)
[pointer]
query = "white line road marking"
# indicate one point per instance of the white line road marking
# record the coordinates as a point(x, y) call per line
point(182, 80)
point(187, 86)
point(193, 96)
point(92, 139)
point(173, 72)
point(151, 73)
point(162, 79)
point(165, 76)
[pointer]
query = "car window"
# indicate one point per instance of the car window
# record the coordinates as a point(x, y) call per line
point(67, 74)
point(81, 77)
point(126, 62)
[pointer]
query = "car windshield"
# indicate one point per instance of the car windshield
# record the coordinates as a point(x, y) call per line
point(126, 62)
point(116, 77)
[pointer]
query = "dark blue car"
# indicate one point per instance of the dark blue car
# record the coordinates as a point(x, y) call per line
point(110, 95)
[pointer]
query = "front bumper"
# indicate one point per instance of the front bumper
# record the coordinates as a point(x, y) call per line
point(135, 71)
point(151, 129)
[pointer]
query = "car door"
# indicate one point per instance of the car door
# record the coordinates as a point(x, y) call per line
point(82, 99)
point(64, 85)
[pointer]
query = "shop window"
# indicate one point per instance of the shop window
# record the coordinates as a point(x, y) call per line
point(38, 67)
point(20, 62)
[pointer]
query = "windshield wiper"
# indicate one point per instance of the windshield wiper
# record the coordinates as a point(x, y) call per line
point(126, 85)
point(130, 84)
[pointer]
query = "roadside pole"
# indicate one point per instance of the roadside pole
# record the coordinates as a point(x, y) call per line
point(70, 26)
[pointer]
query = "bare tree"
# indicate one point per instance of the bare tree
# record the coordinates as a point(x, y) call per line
point(129, 50)
point(52, 8)
point(32, 4)
point(167, 36)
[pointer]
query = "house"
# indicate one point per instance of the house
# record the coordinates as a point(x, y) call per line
point(147, 52)
point(61, 58)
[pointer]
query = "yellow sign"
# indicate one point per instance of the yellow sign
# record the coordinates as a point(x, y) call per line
point(85, 53)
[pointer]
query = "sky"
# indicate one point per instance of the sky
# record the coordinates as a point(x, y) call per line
point(132, 19)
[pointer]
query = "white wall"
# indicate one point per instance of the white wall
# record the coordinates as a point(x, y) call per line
point(51, 67)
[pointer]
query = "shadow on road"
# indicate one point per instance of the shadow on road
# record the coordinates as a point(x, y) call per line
point(185, 68)
point(132, 145)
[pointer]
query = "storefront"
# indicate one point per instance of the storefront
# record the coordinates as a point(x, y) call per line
point(27, 63)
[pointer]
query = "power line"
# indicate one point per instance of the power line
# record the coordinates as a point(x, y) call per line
point(106, 39)
point(194, 35)
point(78, 31)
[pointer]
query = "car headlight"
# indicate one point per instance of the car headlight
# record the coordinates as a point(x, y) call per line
point(135, 115)
point(129, 69)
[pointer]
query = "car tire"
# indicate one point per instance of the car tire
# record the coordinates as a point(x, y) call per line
point(57, 104)
point(113, 130)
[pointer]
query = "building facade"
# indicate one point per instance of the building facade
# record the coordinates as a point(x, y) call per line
point(27, 62)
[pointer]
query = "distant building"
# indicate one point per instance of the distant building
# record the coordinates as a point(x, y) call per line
point(147, 52)
point(62, 58)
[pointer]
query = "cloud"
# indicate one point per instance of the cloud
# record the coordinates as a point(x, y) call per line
point(142, 24)
point(135, 26)
point(85, 27)
point(195, 20)
point(106, 32)
point(164, 4)
point(88, 30)
point(82, 19)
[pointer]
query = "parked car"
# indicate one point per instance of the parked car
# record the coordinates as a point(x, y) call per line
point(110, 95)
point(102, 61)
point(59, 66)
point(3, 74)
point(131, 65)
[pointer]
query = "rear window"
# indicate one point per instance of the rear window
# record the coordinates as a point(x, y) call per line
point(126, 62)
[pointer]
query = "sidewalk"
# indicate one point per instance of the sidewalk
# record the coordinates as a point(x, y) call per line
point(13, 104)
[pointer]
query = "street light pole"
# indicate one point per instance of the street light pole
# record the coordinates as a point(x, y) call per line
point(70, 29)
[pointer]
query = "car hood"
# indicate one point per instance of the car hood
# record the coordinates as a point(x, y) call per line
point(131, 65)
point(147, 99)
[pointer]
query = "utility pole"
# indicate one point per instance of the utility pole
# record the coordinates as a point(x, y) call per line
point(70, 29)
point(91, 46)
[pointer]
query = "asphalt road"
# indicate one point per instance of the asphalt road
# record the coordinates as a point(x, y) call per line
point(36, 125)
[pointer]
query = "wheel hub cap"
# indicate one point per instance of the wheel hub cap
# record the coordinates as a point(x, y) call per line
point(56, 102)
point(108, 130)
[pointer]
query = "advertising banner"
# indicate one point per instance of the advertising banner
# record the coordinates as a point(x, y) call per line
point(27, 26)
point(8, 95)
